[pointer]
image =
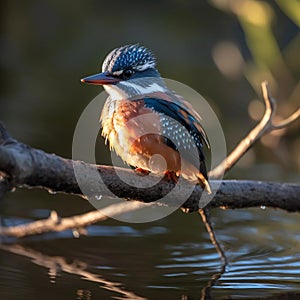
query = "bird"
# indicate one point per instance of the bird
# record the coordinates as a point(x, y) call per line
point(149, 126)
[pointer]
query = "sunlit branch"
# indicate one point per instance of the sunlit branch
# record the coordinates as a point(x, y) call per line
point(56, 224)
point(265, 126)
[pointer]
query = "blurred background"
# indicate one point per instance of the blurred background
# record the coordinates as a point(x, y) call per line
point(221, 48)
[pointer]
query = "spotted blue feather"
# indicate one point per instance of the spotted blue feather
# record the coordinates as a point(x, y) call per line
point(174, 112)
point(130, 56)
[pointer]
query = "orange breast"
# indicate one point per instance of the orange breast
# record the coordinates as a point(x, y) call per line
point(133, 131)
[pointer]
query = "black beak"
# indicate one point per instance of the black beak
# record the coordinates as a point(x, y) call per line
point(100, 79)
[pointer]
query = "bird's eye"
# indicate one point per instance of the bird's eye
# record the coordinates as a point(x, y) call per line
point(128, 73)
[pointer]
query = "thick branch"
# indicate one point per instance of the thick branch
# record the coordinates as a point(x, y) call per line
point(35, 168)
point(232, 194)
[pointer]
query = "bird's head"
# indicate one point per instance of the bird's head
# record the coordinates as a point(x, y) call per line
point(124, 63)
point(132, 63)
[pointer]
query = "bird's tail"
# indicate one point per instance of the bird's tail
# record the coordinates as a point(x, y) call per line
point(204, 182)
point(203, 178)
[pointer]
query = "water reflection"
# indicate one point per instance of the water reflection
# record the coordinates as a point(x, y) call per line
point(161, 261)
point(59, 263)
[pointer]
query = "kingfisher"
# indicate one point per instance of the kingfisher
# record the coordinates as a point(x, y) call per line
point(148, 125)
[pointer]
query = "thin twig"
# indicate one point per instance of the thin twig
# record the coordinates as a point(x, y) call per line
point(263, 127)
point(56, 224)
point(204, 213)
point(205, 293)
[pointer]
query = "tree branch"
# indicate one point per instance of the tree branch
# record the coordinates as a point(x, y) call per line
point(232, 194)
point(263, 127)
point(21, 165)
point(26, 166)
point(56, 224)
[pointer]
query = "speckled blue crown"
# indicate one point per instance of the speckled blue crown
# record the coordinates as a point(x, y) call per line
point(130, 56)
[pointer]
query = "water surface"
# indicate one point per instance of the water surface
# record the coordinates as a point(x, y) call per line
point(168, 259)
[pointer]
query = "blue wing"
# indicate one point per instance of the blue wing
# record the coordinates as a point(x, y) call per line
point(187, 117)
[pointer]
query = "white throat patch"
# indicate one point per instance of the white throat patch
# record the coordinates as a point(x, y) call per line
point(115, 92)
point(132, 88)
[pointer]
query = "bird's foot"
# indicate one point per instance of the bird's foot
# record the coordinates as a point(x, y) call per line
point(171, 176)
point(141, 172)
